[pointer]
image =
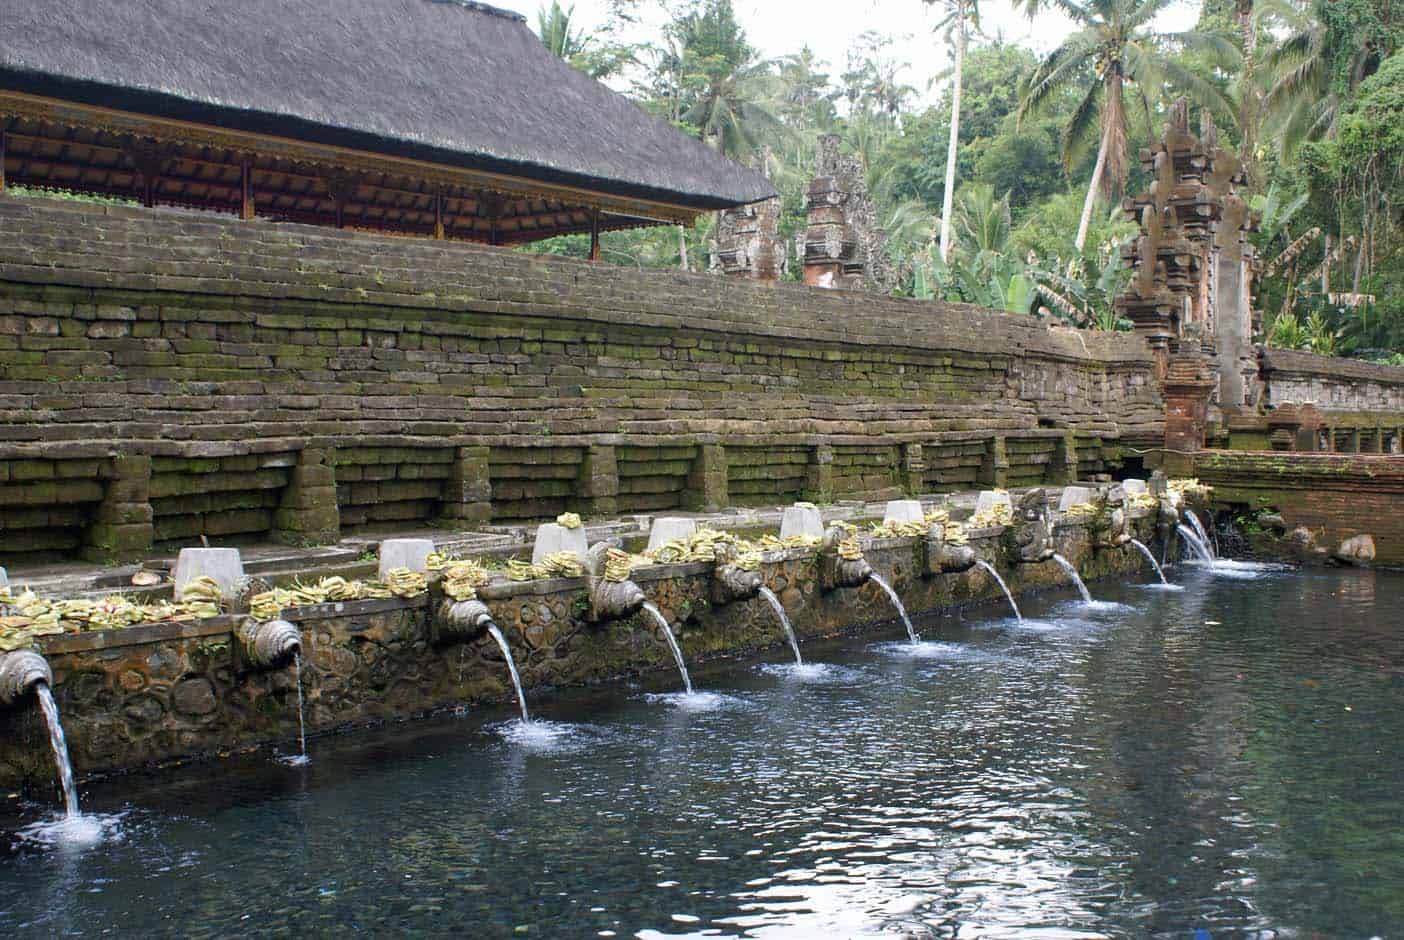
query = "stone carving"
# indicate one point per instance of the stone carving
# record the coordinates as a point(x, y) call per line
point(20, 672)
point(1109, 528)
point(460, 619)
point(730, 582)
point(748, 239)
point(1193, 266)
point(609, 600)
point(843, 246)
point(1168, 516)
point(1029, 538)
point(268, 644)
point(944, 558)
point(837, 566)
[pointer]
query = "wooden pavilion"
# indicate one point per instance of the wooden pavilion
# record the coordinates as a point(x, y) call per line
point(441, 118)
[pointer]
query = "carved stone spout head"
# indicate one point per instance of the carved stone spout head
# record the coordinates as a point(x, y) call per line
point(944, 558)
point(20, 672)
point(462, 619)
point(730, 582)
point(1109, 527)
point(841, 563)
point(609, 600)
point(1030, 539)
point(268, 644)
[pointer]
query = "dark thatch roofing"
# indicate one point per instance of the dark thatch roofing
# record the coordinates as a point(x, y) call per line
point(440, 80)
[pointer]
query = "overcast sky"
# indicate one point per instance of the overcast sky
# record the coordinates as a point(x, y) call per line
point(781, 27)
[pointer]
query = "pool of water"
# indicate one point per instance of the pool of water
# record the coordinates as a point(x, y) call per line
point(1224, 758)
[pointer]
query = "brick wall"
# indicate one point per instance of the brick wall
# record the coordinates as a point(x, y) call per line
point(431, 380)
point(1337, 496)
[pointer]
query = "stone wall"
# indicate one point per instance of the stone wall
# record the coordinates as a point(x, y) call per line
point(1334, 496)
point(1343, 387)
point(291, 383)
point(158, 693)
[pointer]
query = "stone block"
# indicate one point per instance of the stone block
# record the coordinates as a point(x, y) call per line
point(801, 521)
point(903, 510)
point(989, 499)
point(224, 565)
point(1134, 487)
point(552, 538)
point(404, 553)
point(1074, 496)
point(667, 528)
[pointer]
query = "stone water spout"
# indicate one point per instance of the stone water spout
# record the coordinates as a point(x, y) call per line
point(1030, 538)
point(1109, 526)
point(944, 558)
point(837, 571)
point(268, 644)
point(1168, 514)
point(20, 672)
point(731, 582)
point(463, 619)
point(609, 599)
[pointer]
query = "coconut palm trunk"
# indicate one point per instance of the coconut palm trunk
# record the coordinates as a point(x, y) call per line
point(947, 201)
point(1092, 188)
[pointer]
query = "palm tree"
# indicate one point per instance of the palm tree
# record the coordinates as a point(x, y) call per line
point(960, 16)
point(725, 82)
point(1113, 47)
point(558, 34)
point(1316, 68)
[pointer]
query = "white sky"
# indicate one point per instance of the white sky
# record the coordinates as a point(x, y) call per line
point(781, 27)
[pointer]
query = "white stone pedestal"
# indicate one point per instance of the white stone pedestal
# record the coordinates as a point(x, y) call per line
point(802, 520)
point(404, 553)
point(989, 499)
point(667, 528)
point(903, 510)
point(222, 564)
point(1074, 496)
point(554, 537)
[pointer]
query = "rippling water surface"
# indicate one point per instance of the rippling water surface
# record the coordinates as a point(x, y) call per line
point(1223, 758)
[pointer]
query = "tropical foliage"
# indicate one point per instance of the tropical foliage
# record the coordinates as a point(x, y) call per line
point(1017, 158)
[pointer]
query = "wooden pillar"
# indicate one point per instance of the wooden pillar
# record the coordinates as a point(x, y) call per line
point(246, 193)
point(439, 214)
point(2, 159)
point(595, 235)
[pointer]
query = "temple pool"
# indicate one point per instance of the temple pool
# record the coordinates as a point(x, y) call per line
point(1226, 758)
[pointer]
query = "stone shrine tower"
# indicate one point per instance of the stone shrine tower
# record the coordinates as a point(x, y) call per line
point(1191, 290)
point(843, 247)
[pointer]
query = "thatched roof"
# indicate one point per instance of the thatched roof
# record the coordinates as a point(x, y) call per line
point(441, 80)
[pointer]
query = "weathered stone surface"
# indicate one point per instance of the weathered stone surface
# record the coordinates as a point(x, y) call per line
point(552, 538)
point(164, 696)
point(405, 553)
point(1358, 549)
point(222, 564)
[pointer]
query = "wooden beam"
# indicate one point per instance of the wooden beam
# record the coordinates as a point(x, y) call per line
point(246, 210)
point(3, 134)
point(595, 235)
point(438, 213)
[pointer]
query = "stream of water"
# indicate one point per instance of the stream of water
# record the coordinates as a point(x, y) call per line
point(1076, 578)
point(989, 569)
point(672, 644)
point(59, 745)
point(1160, 572)
point(897, 603)
point(496, 634)
point(779, 609)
